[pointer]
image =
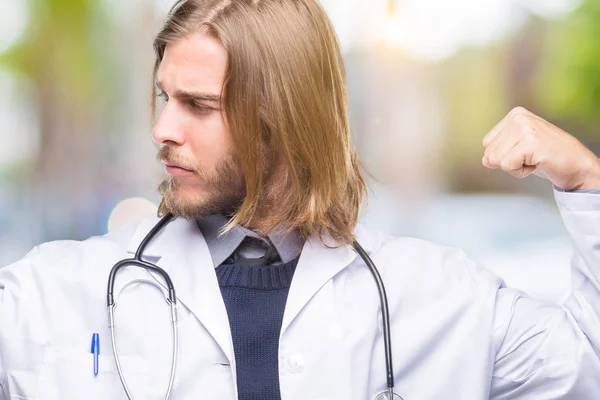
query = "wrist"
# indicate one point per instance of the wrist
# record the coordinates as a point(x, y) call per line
point(591, 176)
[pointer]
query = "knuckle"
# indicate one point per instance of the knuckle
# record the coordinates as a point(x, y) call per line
point(519, 110)
point(521, 119)
point(505, 165)
point(529, 137)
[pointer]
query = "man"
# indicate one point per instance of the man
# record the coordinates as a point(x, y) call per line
point(272, 301)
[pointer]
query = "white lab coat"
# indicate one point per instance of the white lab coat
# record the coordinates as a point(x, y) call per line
point(458, 333)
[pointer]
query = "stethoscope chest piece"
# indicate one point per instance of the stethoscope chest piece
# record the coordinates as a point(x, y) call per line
point(386, 396)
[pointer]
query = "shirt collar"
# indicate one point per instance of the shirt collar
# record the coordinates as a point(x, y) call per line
point(288, 245)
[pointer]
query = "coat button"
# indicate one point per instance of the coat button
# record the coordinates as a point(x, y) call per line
point(296, 363)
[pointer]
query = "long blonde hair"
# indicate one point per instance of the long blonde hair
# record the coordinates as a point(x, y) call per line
point(285, 90)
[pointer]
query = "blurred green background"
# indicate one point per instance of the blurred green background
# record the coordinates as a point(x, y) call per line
point(427, 80)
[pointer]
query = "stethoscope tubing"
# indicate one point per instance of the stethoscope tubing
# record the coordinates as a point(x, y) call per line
point(137, 261)
point(385, 314)
point(172, 300)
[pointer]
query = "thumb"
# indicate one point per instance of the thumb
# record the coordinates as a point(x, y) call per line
point(524, 171)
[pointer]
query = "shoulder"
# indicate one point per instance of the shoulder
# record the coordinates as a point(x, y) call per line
point(65, 260)
point(437, 290)
point(429, 266)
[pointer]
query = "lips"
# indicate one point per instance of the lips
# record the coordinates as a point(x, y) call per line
point(171, 165)
point(176, 169)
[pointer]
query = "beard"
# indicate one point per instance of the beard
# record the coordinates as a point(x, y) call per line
point(222, 192)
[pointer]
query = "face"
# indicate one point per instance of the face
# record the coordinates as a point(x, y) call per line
point(203, 175)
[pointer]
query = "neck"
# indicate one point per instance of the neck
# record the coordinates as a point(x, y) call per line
point(273, 197)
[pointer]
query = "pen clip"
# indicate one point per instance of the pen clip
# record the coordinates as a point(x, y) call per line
point(95, 343)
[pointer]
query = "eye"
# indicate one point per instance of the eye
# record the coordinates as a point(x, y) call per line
point(163, 95)
point(199, 108)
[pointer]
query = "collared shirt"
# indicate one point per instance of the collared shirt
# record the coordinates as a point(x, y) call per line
point(248, 244)
point(254, 273)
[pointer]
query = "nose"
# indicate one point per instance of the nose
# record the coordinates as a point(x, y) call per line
point(167, 130)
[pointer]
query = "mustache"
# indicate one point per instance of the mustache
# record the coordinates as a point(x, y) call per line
point(170, 156)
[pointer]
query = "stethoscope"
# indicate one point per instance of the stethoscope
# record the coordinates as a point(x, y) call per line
point(137, 261)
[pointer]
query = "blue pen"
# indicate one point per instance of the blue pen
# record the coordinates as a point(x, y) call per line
point(96, 351)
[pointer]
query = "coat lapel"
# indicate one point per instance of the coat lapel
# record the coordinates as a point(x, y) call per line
point(182, 252)
point(317, 265)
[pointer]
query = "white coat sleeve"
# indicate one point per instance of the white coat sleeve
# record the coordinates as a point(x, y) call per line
point(5, 300)
point(3, 393)
point(550, 351)
point(581, 214)
point(14, 280)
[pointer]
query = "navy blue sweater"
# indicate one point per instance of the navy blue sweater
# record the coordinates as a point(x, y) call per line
point(255, 299)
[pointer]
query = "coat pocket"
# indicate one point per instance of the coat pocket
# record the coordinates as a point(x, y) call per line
point(67, 374)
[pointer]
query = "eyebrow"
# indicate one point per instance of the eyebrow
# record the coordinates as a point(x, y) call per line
point(183, 94)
